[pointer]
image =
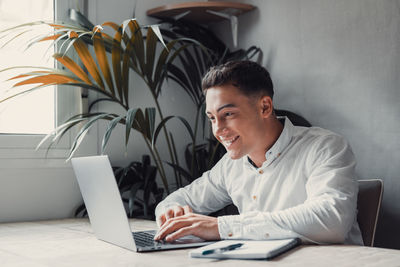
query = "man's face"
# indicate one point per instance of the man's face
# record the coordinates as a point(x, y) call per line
point(236, 120)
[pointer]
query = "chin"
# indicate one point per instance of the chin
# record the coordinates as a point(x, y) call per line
point(234, 156)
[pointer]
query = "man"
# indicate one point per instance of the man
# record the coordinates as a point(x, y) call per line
point(286, 181)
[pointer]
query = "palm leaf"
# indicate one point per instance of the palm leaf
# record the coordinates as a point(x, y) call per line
point(88, 61)
point(100, 51)
point(164, 121)
point(138, 44)
point(125, 72)
point(82, 133)
point(108, 132)
point(73, 67)
point(150, 118)
point(182, 171)
point(46, 80)
point(77, 16)
point(116, 60)
point(130, 119)
point(151, 44)
point(58, 131)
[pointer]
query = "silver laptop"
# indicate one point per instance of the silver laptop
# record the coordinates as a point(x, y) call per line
point(106, 211)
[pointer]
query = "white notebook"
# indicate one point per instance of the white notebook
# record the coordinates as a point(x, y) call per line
point(251, 249)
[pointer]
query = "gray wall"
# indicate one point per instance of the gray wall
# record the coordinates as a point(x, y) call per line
point(172, 102)
point(337, 63)
point(334, 62)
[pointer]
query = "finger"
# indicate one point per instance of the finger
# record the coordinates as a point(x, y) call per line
point(187, 209)
point(180, 233)
point(171, 226)
point(161, 220)
point(174, 224)
point(178, 211)
point(169, 214)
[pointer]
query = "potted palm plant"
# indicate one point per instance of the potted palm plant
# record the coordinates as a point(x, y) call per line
point(153, 54)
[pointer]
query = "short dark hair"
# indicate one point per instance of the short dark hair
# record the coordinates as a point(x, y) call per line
point(248, 76)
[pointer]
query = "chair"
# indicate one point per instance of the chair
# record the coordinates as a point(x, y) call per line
point(368, 204)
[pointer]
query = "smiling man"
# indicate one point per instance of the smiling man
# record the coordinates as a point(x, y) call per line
point(286, 181)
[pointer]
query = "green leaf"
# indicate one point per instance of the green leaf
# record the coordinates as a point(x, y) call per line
point(151, 44)
point(182, 171)
point(130, 119)
point(150, 118)
point(82, 133)
point(108, 132)
point(164, 121)
point(58, 131)
point(125, 72)
point(138, 43)
point(156, 30)
point(79, 18)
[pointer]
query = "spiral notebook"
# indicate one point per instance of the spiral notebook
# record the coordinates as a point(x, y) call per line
point(251, 249)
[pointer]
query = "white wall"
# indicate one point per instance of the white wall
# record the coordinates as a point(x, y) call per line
point(337, 63)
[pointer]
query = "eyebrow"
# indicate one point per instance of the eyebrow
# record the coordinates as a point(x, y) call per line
point(222, 107)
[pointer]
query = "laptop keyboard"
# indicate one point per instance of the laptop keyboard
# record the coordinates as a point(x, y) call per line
point(145, 239)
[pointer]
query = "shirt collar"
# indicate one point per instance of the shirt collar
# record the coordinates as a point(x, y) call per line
point(281, 143)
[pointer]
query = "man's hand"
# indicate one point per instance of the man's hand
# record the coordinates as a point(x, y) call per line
point(172, 213)
point(205, 227)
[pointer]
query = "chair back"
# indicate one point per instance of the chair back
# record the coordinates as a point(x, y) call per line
point(368, 204)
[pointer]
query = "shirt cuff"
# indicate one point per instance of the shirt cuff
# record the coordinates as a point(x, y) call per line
point(248, 226)
point(229, 227)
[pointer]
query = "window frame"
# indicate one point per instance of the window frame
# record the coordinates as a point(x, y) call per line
point(68, 102)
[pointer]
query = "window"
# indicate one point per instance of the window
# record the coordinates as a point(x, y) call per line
point(33, 113)
point(20, 131)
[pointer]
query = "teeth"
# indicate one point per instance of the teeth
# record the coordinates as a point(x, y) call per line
point(228, 142)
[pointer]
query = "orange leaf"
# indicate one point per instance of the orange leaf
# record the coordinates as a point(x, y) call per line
point(53, 37)
point(27, 74)
point(102, 60)
point(116, 60)
point(73, 67)
point(111, 24)
point(56, 26)
point(47, 79)
point(87, 59)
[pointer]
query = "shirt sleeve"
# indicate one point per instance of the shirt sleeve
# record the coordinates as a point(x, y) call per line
point(329, 211)
point(204, 195)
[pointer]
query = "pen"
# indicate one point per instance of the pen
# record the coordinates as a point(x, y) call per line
point(223, 249)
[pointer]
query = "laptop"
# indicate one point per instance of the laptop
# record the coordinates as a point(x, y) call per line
point(107, 213)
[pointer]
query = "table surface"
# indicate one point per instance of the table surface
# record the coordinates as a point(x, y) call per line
point(71, 242)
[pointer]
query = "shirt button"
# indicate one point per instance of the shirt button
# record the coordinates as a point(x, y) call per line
point(230, 234)
point(260, 171)
point(266, 235)
point(254, 197)
point(278, 154)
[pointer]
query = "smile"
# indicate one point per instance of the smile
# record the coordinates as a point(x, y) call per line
point(228, 142)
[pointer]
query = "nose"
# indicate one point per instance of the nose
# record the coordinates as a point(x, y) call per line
point(218, 128)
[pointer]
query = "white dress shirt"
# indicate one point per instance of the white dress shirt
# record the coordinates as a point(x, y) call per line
point(306, 188)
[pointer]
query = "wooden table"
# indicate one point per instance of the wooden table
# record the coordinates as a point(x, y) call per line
point(71, 243)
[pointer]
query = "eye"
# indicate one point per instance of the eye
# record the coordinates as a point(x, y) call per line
point(227, 114)
point(211, 118)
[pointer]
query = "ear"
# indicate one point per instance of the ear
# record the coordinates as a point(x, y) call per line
point(266, 106)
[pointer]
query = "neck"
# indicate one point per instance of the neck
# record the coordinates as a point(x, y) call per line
point(274, 129)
